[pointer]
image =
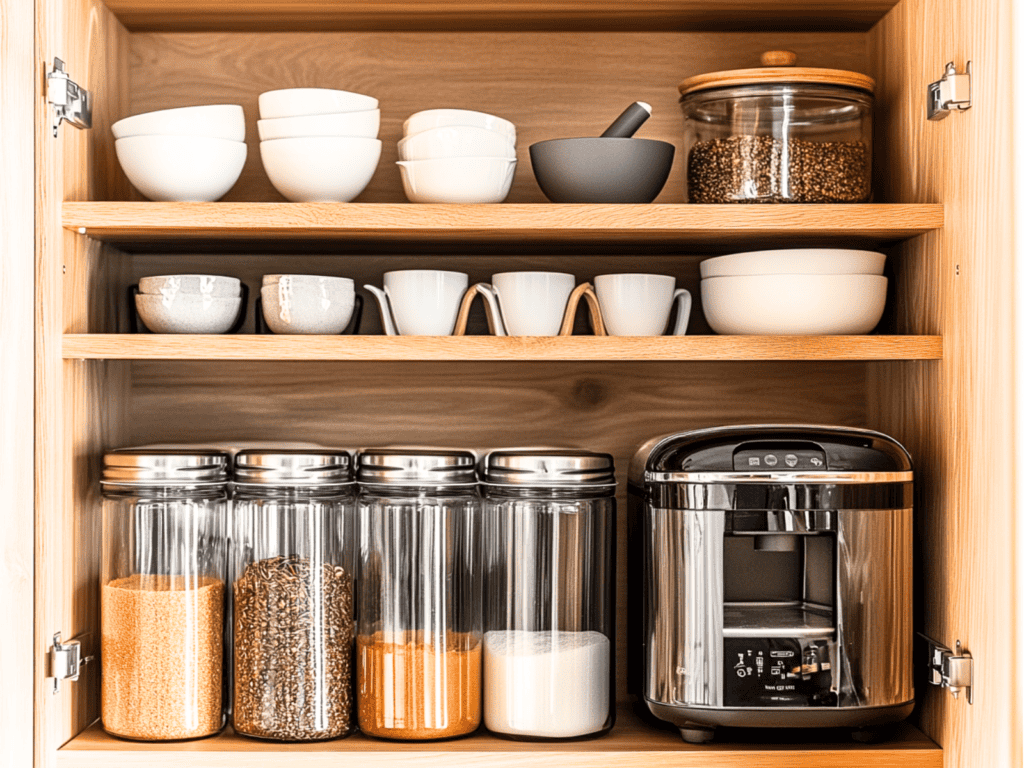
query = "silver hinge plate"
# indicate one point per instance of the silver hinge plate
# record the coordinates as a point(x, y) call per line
point(949, 669)
point(66, 661)
point(69, 100)
point(951, 93)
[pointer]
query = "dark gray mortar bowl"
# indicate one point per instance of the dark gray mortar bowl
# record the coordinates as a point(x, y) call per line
point(602, 170)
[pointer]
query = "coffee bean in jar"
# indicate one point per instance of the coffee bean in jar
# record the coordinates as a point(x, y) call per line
point(778, 134)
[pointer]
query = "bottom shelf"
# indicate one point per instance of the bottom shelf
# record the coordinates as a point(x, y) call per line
point(631, 743)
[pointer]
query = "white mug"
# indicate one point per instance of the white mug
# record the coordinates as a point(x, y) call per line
point(420, 302)
point(639, 305)
point(528, 303)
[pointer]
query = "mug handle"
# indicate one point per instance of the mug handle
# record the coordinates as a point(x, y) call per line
point(463, 317)
point(683, 312)
point(596, 317)
point(569, 318)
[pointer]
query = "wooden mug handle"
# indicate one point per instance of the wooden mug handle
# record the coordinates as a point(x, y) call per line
point(596, 318)
point(463, 317)
point(569, 318)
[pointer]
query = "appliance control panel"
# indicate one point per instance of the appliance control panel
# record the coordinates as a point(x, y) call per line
point(778, 672)
point(779, 458)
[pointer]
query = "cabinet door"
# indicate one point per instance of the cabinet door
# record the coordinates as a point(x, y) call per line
point(77, 402)
point(956, 415)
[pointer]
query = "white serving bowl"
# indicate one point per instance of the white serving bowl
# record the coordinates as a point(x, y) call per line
point(456, 141)
point(364, 124)
point(215, 121)
point(798, 305)
point(181, 168)
point(439, 118)
point(295, 102)
point(199, 285)
point(796, 261)
point(187, 313)
point(304, 304)
point(320, 168)
point(458, 179)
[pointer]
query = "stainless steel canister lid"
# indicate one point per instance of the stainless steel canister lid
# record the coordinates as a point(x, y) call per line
point(561, 468)
point(165, 467)
point(401, 466)
point(293, 467)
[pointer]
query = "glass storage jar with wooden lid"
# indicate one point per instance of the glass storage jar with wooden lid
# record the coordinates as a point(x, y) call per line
point(293, 571)
point(419, 637)
point(778, 134)
point(162, 593)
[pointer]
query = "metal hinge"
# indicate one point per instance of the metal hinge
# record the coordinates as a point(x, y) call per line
point(70, 101)
point(66, 661)
point(952, 92)
point(947, 669)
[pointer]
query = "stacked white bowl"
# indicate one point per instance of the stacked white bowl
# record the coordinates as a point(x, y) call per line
point(189, 154)
point(319, 145)
point(189, 303)
point(457, 156)
point(800, 292)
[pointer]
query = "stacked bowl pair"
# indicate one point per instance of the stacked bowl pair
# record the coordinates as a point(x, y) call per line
point(190, 303)
point(189, 154)
point(457, 156)
point(799, 292)
point(319, 145)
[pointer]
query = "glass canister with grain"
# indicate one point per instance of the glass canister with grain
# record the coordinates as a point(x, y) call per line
point(778, 134)
point(162, 593)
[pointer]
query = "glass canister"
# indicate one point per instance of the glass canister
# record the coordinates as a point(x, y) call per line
point(778, 134)
point(294, 551)
point(162, 593)
point(549, 593)
point(419, 639)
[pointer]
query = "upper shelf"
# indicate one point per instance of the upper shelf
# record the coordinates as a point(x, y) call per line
point(497, 15)
point(147, 226)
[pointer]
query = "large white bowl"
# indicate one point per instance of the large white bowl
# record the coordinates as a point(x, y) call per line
point(294, 102)
point(364, 124)
point(320, 168)
point(215, 121)
point(181, 168)
point(439, 118)
point(210, 285)
point(187, 313)
point(308, 305)
point(796, 261)
point(456, 141)
point(458, 179)
point(798, 305)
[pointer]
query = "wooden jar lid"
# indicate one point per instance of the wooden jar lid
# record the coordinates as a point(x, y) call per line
point(777, 68)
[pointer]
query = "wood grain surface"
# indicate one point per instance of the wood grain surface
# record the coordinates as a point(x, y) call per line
point(17, 361)
point(435, 15)
point(259, 226)
point(551, 85)
point(956, 416)
point(625, 747)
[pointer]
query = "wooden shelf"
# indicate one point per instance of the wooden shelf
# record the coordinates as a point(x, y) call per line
point(660, 15)
point(581, 348)
point(261, 225)
point(630, 743)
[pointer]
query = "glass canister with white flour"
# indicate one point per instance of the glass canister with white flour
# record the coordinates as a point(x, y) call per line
point(549, 582)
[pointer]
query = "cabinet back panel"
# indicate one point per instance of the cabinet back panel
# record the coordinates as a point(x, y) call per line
point(550, 84)
point(612, 407)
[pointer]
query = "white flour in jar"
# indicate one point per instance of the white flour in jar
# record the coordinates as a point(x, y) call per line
point(547, 684)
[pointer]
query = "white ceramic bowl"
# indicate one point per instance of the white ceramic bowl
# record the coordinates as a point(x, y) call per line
point(458, 179)
point(216, 121)
point(320, 168)
point(365, 124)
point(309, 279)
point(181, 168)
point(798, 305)
point(294, 102)
point(187, 313)
point(209, 285)
point(439, 118)
point(309, 305)
point(796, 261)
point(456, 141)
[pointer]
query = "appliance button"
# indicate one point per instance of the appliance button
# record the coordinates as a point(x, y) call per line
point(754, 461)
point(791, 460)
point(771, 460)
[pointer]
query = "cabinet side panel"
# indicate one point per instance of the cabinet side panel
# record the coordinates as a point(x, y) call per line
point(79, 406)
point(955, 415)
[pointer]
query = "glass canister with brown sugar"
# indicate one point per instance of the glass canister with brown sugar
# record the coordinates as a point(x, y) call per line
point(778, 134)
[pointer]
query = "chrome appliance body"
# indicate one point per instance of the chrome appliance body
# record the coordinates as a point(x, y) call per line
point(776, 577)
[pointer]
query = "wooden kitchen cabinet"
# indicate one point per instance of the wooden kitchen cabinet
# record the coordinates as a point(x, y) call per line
point(937, 375)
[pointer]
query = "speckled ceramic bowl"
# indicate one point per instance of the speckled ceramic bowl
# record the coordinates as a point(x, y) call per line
point(212, 285)
point(306, 304)
point(187, 313)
